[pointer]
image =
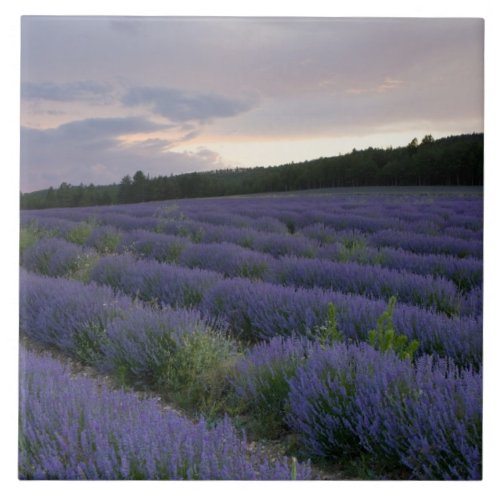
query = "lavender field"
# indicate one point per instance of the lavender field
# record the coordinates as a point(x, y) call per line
point(344, 325)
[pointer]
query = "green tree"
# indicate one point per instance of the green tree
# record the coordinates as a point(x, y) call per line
point(412, 147)
point(139, 184)
point(125, 193)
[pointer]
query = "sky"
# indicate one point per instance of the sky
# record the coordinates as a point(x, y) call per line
point(103, 97)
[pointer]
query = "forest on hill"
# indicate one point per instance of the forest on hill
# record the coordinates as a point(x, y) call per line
point(454, 160)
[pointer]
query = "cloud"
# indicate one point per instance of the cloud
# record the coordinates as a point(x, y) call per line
point(386, 85)
point(101, 128)
point(180, 106)
point(65, 92)
point(211, 156)
point(91, 151)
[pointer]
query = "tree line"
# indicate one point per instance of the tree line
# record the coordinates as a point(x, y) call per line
point(455, 160)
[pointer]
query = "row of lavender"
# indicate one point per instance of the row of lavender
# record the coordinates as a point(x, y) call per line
point(341, 399)
point(256, 310)
point(71, 428)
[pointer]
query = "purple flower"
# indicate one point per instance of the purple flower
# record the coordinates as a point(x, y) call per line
point(54, 257)
point(419, 243)
point(154, 282)
point(71, 428)
point(371, 281)
point(67, 313)
point(346, 400)
point(140, 345)
point(160, 247)
point(261, 376)
point(226, 258)
point(256, 311)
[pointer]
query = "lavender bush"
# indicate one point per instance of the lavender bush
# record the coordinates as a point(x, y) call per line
point(261, 377)
point(71, 428)
point(160, 247)
point(104, 239)
point(371, 281)
point(173, 351)
point(68, 314)
point(428, 244)
point(49, 226)
point(55, 257)
point(226, 258)
point(465, 273)
point(427, 418)
point(154, 282)
point(141, 345)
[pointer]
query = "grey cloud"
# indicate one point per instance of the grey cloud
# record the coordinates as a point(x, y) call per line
point(190, 135)
point(101, 129)
point(181, 106)
point(269, 56)
point(89, 151)
point(211, 156)
point(153, 145)
point(65, 92)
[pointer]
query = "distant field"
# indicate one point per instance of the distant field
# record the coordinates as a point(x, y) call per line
point(379, 191)
point(344, 324)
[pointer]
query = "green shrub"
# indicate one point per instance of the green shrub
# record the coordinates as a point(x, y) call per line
point(28, 236)
point(80, 233)
point(83, 267)
point(328, 333)
point(89, 341)
point(384, 337)
point(197, 375)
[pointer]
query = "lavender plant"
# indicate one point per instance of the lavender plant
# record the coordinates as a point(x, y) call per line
point(142, 344)
point(226, 258)
point(426, 418)
point(55, 257)
point(104, 239)
point(428, 244)
point(372, 281)
point(261, 379)
point(68, 314)
point(154, 282)
point(466, 273)
point(160, 247)
point(71, 428)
